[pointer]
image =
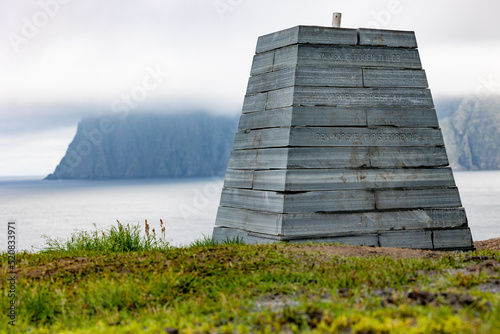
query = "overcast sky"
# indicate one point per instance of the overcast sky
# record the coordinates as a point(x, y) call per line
point(63, 59)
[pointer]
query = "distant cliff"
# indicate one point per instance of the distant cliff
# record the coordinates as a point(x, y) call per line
point(155, 145)
point(148, 146)
point(472, 134)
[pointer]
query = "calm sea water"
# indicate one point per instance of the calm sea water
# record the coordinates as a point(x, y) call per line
point(187, 206)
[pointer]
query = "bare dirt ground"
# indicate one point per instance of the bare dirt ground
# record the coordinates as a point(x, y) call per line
point(361, 251)
point(490, 244)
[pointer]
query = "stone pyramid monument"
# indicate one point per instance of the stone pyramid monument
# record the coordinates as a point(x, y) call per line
point(339, 141)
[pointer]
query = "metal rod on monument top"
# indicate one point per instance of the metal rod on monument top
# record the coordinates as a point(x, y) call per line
point(336, 20)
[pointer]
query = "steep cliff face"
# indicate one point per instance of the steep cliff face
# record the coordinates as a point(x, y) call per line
point(148, 146)
point(155, 145)
point(472, 134)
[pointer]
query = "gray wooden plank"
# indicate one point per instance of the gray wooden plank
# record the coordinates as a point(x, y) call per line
point(266, 201)
point(305, 76)
point(275, 180)
point(275, 137)
point(271, 81)
point(453, 239)
point(317, 201)
point(304, 116)
point(417, 198)
point(344, 116)
point(331, 136)
point(296, 157)
point(329, 223)
point(277, 39)
point(288, 58)
point(306, 34)
point(223, 234)
point(327, 157)
point(255, 102)
point(392, 38)
point(369, 240)
point(328, 76)
point(349, 97)
point(259, 159)
point(266, 119)
point(455, 215)
point(394, 78)
point(339, 116)
point(402, 98)
point(406, 239)
point(281, 98)
point(402, 117)
point(250, 221)
point(329, 201)
point(262, 63)
point(408, 156)
point(327, 35)
point(317, 224)
point(328, 116)
point(340, 179)
point(238, 179)
point(313, 55)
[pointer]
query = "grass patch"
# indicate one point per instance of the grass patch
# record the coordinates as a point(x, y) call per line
point(138, 286)
point(120, 238)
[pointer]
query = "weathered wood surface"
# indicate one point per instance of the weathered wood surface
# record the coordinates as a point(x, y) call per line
point(338, 97)
point(276, 137)
point(328, 116)
point(272, 81)
point(252, 200)
point(390, 38)
point(223, 234)
point(314, 201)
point(453, 239)
point(339, 56)
point(394, 78)
point(262, 63)
point(296, 157)
point(319, 76)
point(417, 198)
point(255, 102)
point(307, 35)
point(305, 224)
point(365, 239)
point(406, 239)
point(324, 105)
point(340, 179)
point(304, 116)
point(350, 97)
point(239, 179)
point(266, 119)
point(402, 117)
point(338, 157)
point(408, 156)
point(339, 116)
point(330, 136)
point(251, 221)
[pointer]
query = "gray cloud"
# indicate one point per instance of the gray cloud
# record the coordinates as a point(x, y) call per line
point(93, 51)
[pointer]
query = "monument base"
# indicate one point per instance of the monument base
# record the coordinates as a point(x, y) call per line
point(436, 239)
